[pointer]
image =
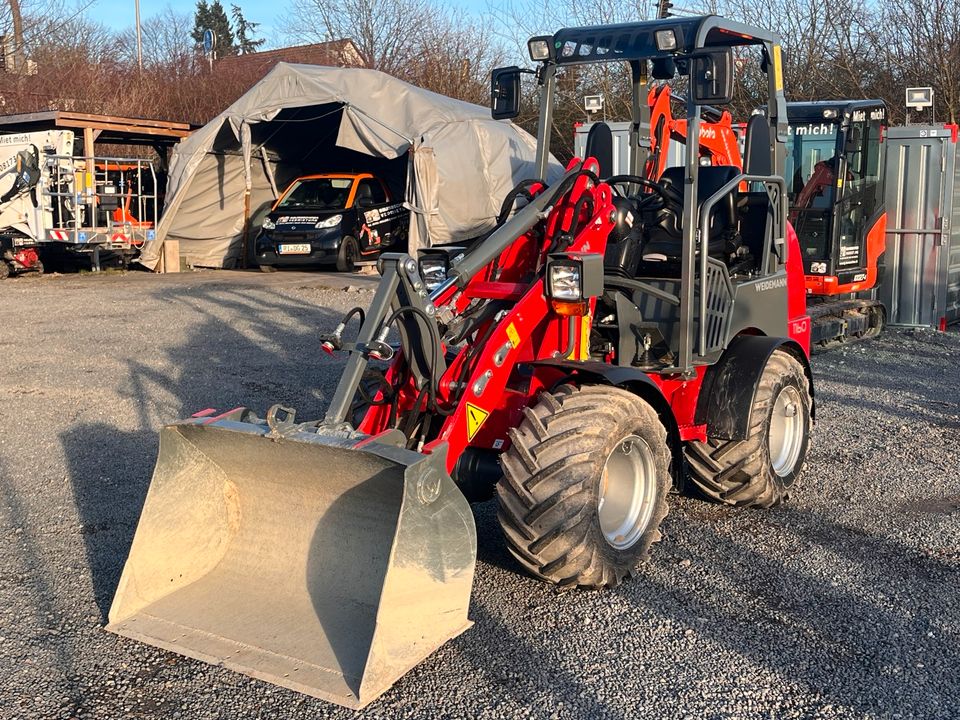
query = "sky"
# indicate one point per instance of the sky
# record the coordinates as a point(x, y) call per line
point(121, 14)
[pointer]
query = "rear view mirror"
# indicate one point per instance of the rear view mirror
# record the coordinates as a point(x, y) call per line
point(711, 78)
point(663, 68)
point(505, 93)
point(365, 201)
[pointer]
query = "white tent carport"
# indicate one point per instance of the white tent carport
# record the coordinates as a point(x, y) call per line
point(450, 160)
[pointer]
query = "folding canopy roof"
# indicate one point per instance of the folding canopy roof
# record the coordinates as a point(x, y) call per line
point(451, 162)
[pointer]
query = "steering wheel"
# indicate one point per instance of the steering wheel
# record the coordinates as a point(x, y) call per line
point(643, 201)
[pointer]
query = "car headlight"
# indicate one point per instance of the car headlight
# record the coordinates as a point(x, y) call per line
point(329, 222)
point(565, 281)
point(433, 270)
point(268, 224)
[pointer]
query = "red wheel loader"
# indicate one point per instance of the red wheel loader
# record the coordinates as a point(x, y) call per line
point(612, 339)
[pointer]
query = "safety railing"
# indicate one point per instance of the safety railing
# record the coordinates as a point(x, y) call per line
point(708, 325)
point(74, 186)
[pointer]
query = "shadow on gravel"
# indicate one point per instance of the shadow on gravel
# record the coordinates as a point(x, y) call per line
point(491, 546)
point(32, 575)
point(857, 641)
point(110, 470)
point(521, 670)
point(273, 357)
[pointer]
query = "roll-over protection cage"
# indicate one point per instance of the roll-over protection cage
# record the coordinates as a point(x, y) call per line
point(637, 44)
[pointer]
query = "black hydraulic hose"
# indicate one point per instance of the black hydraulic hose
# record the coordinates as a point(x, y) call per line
point(435, 345)
point(354, 311)
point(564, 239)
point(522, 189)
point(478, 317)
point(470, 360)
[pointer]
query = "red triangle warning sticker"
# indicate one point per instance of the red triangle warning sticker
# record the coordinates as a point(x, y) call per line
point(475, 418)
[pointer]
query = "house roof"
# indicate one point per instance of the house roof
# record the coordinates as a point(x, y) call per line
point(335, 53)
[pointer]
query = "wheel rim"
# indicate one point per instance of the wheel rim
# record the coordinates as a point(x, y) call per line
point(628, 491)
point(786, 430)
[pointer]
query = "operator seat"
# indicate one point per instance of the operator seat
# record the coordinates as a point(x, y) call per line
point(665, 241)
point(600, 147)
point(622, 254)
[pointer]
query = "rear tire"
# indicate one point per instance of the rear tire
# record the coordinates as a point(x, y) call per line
point(5, 271)
point(585, 486)
point(348, 254)
point(38, 268)
point(760, 470)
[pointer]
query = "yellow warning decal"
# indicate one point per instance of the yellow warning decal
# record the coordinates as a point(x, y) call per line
point(585, 323)
point(778, 68)
point(513, 335)
point(475, 418)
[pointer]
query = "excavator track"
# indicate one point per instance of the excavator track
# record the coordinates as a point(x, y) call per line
point(839, 322)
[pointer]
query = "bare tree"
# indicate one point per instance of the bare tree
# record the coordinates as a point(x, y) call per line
point(452, 59)
point(387, 32)
point(923, 48)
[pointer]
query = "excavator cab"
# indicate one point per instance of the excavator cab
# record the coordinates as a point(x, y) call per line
point(834, 175)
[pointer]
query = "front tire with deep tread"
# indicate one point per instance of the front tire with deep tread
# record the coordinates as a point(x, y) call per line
point(555, 471)
point(742, 473)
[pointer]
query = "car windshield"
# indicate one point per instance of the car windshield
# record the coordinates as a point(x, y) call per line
point(329, 193)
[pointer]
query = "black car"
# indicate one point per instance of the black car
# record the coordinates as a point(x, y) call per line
point(336, 218)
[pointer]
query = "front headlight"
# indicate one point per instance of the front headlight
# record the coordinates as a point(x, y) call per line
point(433, 270)
point(268, 224)
point(329, 222)
point(565, 282)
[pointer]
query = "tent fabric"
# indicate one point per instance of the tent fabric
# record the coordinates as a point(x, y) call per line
point(456, 162)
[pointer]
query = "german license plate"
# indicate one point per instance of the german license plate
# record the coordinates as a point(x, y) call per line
point(295, 249)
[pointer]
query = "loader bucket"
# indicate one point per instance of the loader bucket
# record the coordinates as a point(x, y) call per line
point(300, 560)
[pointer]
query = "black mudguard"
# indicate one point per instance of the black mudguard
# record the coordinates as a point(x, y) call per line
point(729, 386)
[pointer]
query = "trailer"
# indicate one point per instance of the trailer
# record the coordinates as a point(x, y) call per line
point(922, 283)
point(98, 204)
point(73, 195)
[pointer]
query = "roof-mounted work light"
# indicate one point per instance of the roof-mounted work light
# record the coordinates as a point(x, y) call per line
point(540, 48)
point(666, 40)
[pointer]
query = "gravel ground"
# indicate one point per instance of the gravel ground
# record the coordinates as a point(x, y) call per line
point(844, 603)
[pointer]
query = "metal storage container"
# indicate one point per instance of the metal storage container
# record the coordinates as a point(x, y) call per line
point(921, 283)
point(676, 151)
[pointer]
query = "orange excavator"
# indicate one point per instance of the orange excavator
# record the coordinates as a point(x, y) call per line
point(835, 188)
point(719, 144)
